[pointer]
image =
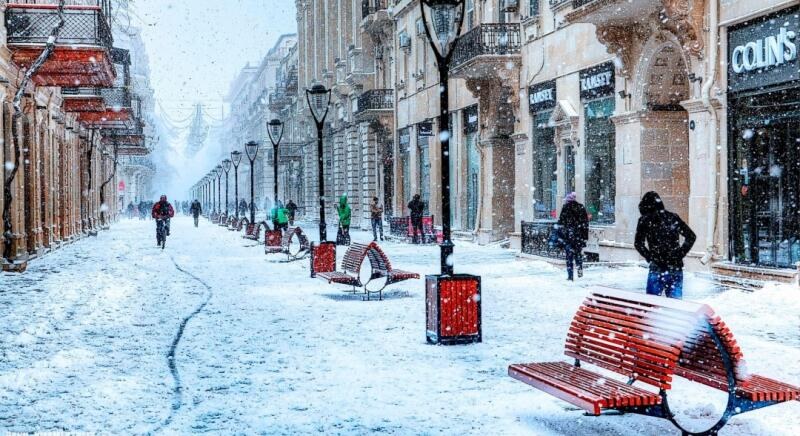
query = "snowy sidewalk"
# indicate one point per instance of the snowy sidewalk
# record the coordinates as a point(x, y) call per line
point(86, 334)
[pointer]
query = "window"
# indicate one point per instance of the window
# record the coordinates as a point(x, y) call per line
point(424, 163)
point(405, 163)
point(600, 160)
point(533, 8)
point(545, 167)
point(469, 10)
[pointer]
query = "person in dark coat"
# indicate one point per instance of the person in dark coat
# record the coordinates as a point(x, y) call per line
point(292, 208)
point(130, 209)
point(573, 228)
point(658, 240)
point(196, 209)
point(417, 208)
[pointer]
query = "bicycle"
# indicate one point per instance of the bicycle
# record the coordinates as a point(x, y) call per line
point(161, 233)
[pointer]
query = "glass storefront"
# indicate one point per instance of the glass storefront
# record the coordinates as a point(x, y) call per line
point(424, 167)
point(545, 168)
point(764, 140)
point(473, 166)
point(600, 160)
point(405, 164)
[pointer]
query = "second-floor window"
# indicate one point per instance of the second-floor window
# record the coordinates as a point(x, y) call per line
point(469, 14)
point(533, 8)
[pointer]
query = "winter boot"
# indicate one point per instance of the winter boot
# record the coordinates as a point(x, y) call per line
point(580, 271)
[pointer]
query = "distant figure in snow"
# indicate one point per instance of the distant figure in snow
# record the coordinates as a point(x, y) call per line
point(130, 208)
point(573, 228)
point(658, 241)
point(345, 215)
point(196, 210)
point(143, 209)
point(292, 208)
point(280, 217)
point(417, 208)
point(242, 207)
point(376, 218)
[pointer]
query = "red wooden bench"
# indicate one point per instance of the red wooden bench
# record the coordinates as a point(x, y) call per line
point(294, 243)
point(252, 231)
point(380, 268)
point(649, 340)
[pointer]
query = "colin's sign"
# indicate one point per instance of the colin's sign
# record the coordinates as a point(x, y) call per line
point(763, 52)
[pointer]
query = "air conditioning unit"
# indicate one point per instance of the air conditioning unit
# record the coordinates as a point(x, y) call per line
point(404, 41)
point(510, 5)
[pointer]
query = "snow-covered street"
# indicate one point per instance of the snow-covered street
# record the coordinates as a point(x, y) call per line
point(88, 336)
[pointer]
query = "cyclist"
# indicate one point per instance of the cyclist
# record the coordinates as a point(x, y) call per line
point(162, 212)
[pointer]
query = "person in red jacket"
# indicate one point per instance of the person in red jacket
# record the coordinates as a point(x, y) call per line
point(163, 211)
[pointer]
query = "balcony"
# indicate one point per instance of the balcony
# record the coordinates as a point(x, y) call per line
point(374, 104)
point(278, 101)
point(359, 67)
point(487, 50)
point(139, 161)
point(129, 142)
point(612, 12)
point(375, 16)
point(117, 113)
point(82, 56)
point(83, 100)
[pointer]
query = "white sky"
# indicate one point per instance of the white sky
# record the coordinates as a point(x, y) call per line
point(196, 47)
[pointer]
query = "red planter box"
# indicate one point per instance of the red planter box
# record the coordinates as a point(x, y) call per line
point(323, 257)
point(453, 314)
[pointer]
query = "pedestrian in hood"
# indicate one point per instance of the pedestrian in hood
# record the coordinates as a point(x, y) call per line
point(196, 209)
point(658, 240)
point(292, 208)
point(417, 209)
point(280, 218)
point(573, 228)
point(345, 214)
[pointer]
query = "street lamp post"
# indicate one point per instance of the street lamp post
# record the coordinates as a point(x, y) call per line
point(251, 148)
point(236, 158)
point(226, 166)
point(218, 172)
point(318, 99)
point(275, 132)
point(442, 20)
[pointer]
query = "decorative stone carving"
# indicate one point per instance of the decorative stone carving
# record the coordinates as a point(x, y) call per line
point(497, 100)
point(684, 18)
point(622, 41)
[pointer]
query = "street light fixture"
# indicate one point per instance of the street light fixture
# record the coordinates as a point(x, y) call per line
point(318, 99)
point(218, 172)
point(275, 132)
point(442, 21)
point(226, 166)
point(236, 158)
point(251, 148)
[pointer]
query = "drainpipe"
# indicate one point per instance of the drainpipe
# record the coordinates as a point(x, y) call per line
point(713, 134)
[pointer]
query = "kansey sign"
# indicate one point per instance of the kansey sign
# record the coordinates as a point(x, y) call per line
point(542, 96)
point(597, 81)
point(763, 52)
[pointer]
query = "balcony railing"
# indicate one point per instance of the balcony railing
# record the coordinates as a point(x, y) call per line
point(136, 130)
point(81, 92)
point(369, 7)
point(116, 98)
point(578, 3)
point(85, 23)
point(279, 100)
point(375, 100)
point(493, 39)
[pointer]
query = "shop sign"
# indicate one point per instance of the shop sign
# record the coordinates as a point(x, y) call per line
point(763, 52)
point(597, 81)
point(542, 96)
point(121, 186)
point(471, 119)
point(425, 129)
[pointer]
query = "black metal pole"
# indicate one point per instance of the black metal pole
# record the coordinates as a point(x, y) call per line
point(446, 258)
point(323, 227)
point(219, 192)
point(275, 171)
point(227, 209)
point(252, 197)
point(236, 190)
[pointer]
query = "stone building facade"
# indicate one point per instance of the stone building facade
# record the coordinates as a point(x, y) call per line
point(59, 164)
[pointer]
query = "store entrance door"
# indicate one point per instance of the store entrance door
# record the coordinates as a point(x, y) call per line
point(766, 228)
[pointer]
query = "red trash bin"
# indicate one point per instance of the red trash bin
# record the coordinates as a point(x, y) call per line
point(453, 314)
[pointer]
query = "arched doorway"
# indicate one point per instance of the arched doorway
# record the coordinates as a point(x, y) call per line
point(665, 128)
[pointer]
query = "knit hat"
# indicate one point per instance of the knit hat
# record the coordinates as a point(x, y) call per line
point(570, 197)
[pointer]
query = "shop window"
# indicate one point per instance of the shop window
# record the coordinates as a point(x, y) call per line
point(600, 164)
point(424, 164)
point(473, 166)
point(545, 167)
point(405, 164)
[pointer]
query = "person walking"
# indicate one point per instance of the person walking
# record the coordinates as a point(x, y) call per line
point(292, 209)
point(130, 208)
point(280, 217)
point(376, 215)
point(345, 214)
point(243, 207)
point(658, 240)
point(573, 228)
point(196, 209)
point(417, 208)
